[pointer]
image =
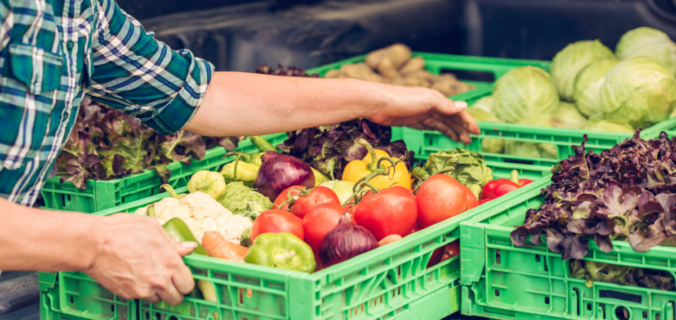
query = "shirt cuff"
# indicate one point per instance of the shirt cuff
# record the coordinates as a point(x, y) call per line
point(173, 116)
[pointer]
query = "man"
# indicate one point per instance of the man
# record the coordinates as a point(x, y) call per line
point(52, 52)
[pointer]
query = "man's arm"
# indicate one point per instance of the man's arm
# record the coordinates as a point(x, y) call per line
point(130, 255)
point(253, 104)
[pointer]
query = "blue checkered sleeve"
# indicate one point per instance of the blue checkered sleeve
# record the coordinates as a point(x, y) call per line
point(141, 76)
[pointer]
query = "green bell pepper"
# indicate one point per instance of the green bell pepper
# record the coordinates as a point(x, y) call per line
point(179, 231)
point(283, 251)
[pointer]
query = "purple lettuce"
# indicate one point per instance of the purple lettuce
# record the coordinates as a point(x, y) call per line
point(625, 193)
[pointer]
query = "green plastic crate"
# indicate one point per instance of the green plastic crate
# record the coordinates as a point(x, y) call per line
point(448, 63)
point(390, 282)
point(502, 281)
point(100, 195)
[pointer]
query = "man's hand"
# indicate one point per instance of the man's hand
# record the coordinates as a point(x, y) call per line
point(137, 259)
point(425, 109)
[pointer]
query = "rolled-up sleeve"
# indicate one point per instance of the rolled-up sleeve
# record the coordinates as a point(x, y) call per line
point(143, 77)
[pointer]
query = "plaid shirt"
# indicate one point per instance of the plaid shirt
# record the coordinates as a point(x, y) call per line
point(52, 52)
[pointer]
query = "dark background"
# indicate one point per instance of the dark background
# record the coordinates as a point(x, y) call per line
point(241, 34)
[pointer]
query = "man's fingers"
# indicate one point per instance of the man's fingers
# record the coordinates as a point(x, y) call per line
point(435, 124)
point(170, 294)
point(449, 107)
point(185, 248)
point(182, 279)
point(153, 299)
point(469, 123)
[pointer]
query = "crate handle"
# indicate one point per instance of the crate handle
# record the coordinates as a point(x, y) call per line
point(620, 296)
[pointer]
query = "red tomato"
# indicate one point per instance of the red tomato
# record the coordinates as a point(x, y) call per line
point(317, 196)
point(391, 211)
point(320, 221)
point(439, 198)
point(450, 250)
point(282, 197)
point(472, 201)
point(276, 221)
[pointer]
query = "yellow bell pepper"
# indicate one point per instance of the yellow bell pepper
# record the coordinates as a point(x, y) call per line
point(358, 169)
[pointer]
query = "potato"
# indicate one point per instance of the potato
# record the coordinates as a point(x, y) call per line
point(422, 74)
point(450, 87)
point(360, 71)
point(413, 65)
point(399, 81)
point(387, 69)
point(332, 74)
point(397, 53)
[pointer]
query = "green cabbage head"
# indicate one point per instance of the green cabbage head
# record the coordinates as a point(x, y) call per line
point(485, 104)
point(523, 92)
point(568, 114)
point(571, 60)
point(588, 86)
point(487, 145)
point(649, 42)
point(535, 150)
point(638, 91)
point(608, 126)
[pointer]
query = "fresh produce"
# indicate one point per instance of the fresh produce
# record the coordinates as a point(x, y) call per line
point(487, 145)
point(280, 171)
point(568, 63)
point(345, 241)
point(523, 92)
point(389, 239)
point(638, 91)
point(217, 246)
point(283, 251)
point(179, 231)
point(569, 115)
point(469, 168)
point(472, 200)
point(621, 194)
point(200, 212)
point(390, 211)
point(107, 144)
point(440, 197)
point(209, 182)
point(608, 126)
point(276, 221)
point(588, 86)
point(535, 150)
point(281, 71)
point(242, 200)
point(240, 171)
point(596, 271)
point(282, 201)
point(444, 253)
point(395, 173)
point(342, 188)
point(396, 65)
point(485, 104)
point(329, 148)
point(319, 221)
point(649, 42)
point(307, 200)
point(500, 187)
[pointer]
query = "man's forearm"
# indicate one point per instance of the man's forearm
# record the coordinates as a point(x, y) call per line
point(33, 239)
point(253, 104)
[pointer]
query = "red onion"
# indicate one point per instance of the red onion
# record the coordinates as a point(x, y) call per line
point(280, 171)
point(345, 241)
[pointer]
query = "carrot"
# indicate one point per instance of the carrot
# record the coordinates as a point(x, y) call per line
point(389, 239)
point(216, 246)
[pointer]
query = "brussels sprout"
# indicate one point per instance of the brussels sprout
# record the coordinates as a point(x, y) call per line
point(485, 104)
point(588, 86)
point(523, 92)
point(638, 91)
point(568, 114)
point(571, 60)
point(487, 145)
point(649, 42)
point(608, 126)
